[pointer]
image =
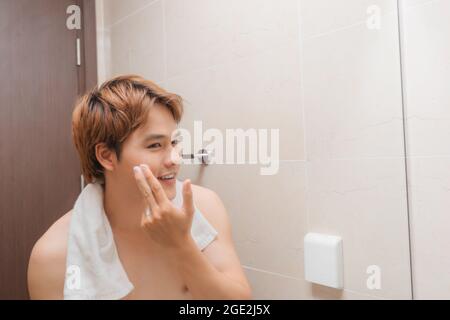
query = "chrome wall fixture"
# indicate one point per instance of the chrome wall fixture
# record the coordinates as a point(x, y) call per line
point(203, 155)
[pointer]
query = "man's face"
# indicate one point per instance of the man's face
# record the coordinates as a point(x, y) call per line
point(155, 145)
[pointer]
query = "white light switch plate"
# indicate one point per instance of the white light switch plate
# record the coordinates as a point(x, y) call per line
point(324, 260)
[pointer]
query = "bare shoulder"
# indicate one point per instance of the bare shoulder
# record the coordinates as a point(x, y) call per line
point(211, 206)
point(213, 209)
point(46, 268)
point(204, 196)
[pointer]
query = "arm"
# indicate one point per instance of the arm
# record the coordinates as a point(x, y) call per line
point(47, 265)
point(45, 280)
point(216, 273)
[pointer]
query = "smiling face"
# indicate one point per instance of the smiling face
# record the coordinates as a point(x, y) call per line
point(155, 144)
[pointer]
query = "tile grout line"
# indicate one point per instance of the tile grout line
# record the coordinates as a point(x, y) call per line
point(350, 26)
point(164, 22)
point(271, 273)
point(302, 102)
point(401, 46)
point(301, 279)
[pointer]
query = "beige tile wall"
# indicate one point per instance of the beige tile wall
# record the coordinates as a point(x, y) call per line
point(312, 69)
point(426, 31)
point(354, 139)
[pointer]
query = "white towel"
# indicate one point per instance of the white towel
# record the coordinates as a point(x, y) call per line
point(93, 267)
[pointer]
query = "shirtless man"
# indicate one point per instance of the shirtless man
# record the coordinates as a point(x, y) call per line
point(113, 134)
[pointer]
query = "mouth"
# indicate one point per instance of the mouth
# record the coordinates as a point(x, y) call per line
point(168, 178)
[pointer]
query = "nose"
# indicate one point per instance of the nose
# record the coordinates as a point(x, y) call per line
point(174, 156)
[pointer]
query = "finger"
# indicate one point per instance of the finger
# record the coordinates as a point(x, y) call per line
point(146, 219)
point(148, 213)
point(144, 188)
point(188, 201)
point(156, 187)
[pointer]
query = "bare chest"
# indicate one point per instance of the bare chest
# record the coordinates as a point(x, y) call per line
point(153, 273)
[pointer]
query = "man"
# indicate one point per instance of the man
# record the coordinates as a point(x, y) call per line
point(123, 134)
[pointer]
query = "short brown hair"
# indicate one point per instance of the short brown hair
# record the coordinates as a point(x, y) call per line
point(109, 114)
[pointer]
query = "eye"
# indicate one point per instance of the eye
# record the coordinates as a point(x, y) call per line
point(155, 145)
point(175, 142)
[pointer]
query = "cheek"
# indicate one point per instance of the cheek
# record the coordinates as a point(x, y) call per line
point(128, 160)
point(143, 156)
point(136, 156)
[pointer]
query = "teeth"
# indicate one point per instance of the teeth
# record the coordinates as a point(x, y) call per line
point(170, 176)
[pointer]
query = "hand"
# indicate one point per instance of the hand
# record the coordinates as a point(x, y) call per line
point(167, 225)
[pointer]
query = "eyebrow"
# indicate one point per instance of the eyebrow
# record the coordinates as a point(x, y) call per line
point(155, 136)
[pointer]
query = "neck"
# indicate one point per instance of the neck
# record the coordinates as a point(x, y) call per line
point(123, 208)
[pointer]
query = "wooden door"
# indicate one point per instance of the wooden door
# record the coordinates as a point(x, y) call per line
point(39, 82)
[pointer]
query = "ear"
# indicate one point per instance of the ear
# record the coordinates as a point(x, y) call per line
point(105, 156)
